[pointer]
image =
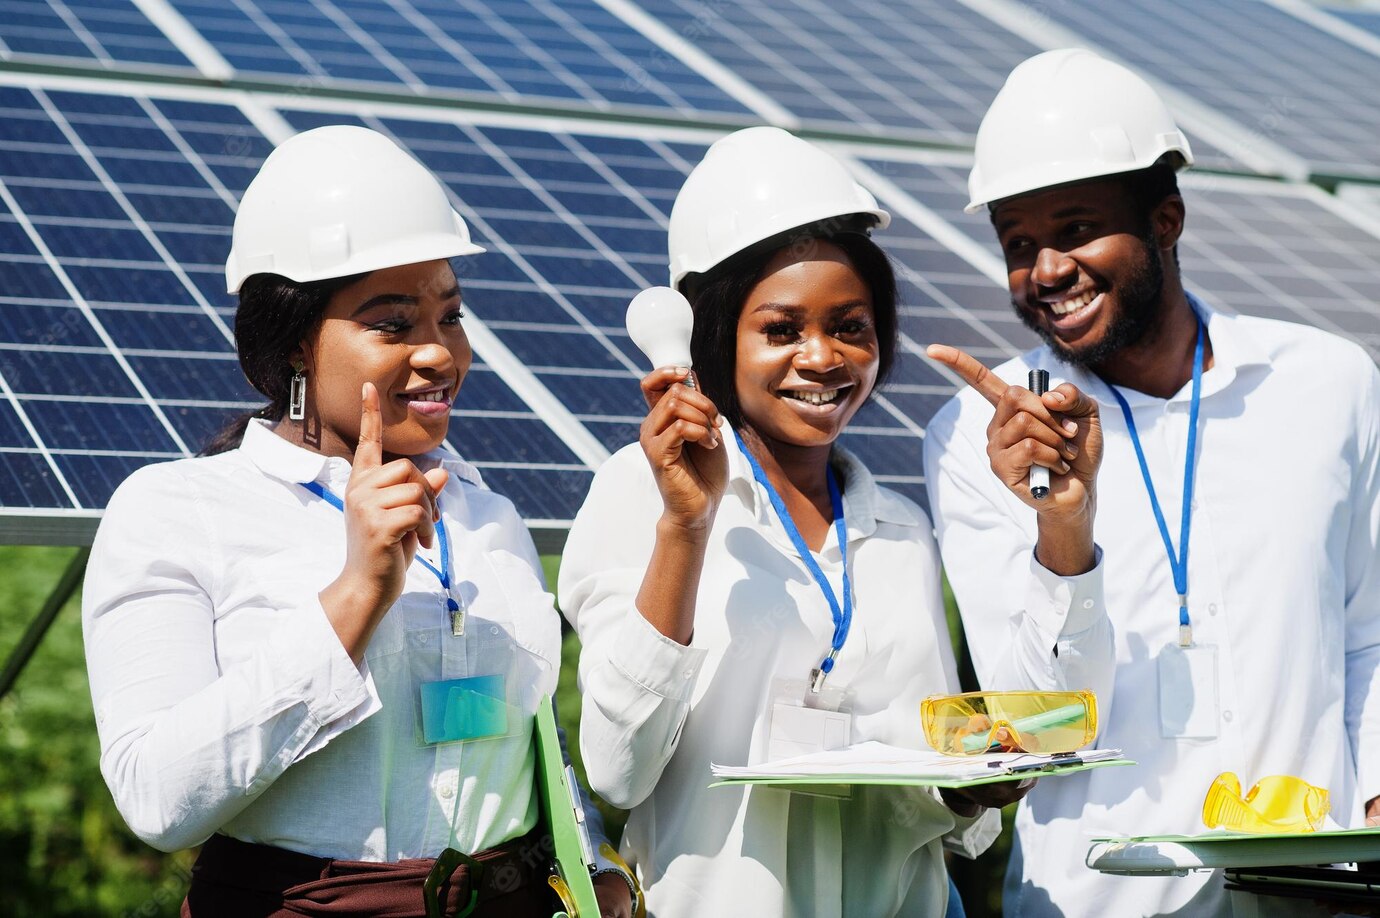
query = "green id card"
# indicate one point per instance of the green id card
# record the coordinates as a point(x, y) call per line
point(464, 709)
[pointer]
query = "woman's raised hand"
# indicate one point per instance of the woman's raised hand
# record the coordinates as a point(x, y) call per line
point(681, 438)
point(389, 510)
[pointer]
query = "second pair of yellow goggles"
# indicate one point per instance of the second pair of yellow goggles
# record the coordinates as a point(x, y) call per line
point(1277, 803)
point(974, 723)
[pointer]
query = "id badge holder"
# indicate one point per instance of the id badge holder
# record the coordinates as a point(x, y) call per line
point(1188, 691)
point(803, 722)
point(482, 705)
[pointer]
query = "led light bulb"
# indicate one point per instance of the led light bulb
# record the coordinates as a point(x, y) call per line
point(660, 322)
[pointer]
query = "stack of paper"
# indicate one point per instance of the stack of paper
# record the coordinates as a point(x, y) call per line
point(878, 763)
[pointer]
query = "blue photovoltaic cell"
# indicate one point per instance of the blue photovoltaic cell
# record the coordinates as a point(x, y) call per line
point(569, 50)
point(114, 33)
point(1251, 246)
point(1275, 75)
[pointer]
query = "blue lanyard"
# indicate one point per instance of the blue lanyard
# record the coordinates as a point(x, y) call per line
point(843, 617)
point(1177, 563)
point(457, 614)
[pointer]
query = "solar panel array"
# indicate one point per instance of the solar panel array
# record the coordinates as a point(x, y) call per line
point(1282, 79)
point(116, 200)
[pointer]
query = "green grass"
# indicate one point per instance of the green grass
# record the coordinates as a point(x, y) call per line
point(65, 851)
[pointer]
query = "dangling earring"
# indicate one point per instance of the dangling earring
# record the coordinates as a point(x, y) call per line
point(297, 393)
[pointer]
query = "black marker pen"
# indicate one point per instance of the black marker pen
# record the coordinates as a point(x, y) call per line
point(1039, 475)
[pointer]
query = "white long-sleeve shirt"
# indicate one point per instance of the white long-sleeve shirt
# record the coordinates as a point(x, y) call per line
point(225, 701)
point(657, 713)
point(1284, 580)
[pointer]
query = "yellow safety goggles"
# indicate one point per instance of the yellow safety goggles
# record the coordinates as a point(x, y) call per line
point(1277, 803)
point(978, 722)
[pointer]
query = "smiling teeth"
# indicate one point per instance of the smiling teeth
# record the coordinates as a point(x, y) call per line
point(815, 398)
point(1064, 307)
point(439, 396)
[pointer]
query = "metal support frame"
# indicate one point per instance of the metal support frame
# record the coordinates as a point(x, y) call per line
point(67, 585)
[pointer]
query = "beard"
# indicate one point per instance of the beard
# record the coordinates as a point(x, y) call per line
point(1137, 316)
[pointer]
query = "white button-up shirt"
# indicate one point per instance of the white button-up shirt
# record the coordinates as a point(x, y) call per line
point(657, 713)
point(225, 701)
point(1284, 581)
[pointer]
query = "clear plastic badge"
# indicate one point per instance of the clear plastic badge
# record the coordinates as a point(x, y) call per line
point(1188, 692)
point(803, 722)
point(483, 700)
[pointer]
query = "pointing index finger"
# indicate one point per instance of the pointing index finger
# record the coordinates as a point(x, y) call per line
point(369, 452)
point(987, 383)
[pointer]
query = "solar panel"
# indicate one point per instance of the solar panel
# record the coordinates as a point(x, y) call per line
point(1282, 79)
point(112, 34)
point(115, 347)
point(574, 51)
point(1265, 248)
point(919, 69)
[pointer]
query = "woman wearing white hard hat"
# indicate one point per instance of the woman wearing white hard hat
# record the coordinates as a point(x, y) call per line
point(738, 561)
point(318, 648)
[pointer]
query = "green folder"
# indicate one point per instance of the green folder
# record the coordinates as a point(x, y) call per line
point(559, 801)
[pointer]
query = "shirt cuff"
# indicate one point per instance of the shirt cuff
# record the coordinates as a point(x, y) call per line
point(338, 692)
point(1065, 606)
point(972, 835)
point(654, 661)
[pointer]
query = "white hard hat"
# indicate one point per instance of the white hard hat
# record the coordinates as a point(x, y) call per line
point(1069, 115)
point(752, 185)
point(337, 201)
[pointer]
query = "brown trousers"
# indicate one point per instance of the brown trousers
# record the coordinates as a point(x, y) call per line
point(235, 879)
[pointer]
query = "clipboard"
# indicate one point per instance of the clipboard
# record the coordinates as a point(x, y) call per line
point(564, 815)
point(970, 776)
point(1176, 855)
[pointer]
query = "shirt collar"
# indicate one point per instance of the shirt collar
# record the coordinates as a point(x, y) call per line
point(1234, 349)
point(277, 458)
point(865, 503)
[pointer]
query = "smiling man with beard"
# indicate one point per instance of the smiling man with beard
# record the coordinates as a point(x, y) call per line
point(1253, 652)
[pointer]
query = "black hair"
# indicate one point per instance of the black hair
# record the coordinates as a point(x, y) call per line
point(1149, 187)
point(275, 315)
point(718, 297)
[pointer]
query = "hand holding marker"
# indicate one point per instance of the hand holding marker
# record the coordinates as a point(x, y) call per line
point(1039, 475)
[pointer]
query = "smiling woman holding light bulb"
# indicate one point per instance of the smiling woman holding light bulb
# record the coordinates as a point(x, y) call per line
point(743, 587)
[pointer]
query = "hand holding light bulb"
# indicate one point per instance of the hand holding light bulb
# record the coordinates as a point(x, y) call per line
point(660, 322)
point(680, 434)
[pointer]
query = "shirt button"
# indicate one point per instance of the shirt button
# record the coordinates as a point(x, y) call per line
point(447, 791)
point(423, 637)
point(493, 629)
point(1212, 608)
point(1226, 715)
point(689, 674)
point(1088, 603)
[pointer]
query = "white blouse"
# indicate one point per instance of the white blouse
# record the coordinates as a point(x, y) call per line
point(225, 701)
point(657, 713)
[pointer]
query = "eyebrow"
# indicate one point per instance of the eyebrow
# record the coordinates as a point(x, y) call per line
point(794, 310)
point(399, 299)
point(1073, 210)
